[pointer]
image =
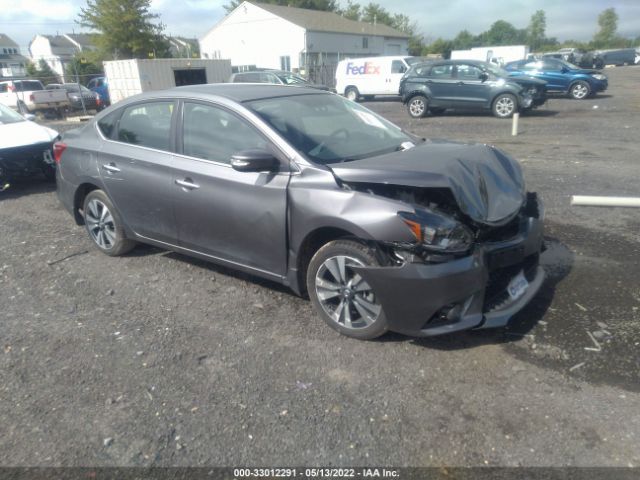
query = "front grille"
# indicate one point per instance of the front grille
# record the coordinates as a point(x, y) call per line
point(495, 293)
point(500, 234)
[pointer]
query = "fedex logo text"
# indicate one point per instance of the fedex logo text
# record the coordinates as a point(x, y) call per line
point(367, 69)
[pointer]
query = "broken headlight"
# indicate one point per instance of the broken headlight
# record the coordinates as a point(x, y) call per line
point(437, 232)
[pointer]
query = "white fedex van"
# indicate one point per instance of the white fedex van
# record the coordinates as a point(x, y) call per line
point(367, 77)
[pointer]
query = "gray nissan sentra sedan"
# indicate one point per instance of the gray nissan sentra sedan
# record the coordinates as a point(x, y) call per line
point(383, 230)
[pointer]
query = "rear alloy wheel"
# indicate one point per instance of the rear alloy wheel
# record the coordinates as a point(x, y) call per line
point(504, 105)
point(580, 90)
point(104, 226)
point(344, 300)
point(417, 106)
point(352, 94)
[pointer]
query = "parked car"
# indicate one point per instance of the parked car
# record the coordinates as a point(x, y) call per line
point(370, 76)
point(100, 85)
point(620, 56)
point(25, 147)
point(277, 77)
point(385, 231)
point(78, 95)
point(30, 96)
point(467, 84)
point(561, 77)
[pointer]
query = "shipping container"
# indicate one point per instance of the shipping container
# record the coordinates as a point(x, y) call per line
point(130, 77)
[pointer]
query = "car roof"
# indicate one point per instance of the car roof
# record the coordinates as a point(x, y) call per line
point(239, 92)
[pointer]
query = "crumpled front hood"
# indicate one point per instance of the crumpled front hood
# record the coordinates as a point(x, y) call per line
point(486, 184)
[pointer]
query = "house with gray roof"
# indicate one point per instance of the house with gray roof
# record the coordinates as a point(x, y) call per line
point(12, 63)
point(59, 50)
point(273, 36)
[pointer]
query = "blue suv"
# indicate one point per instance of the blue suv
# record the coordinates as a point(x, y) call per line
point(561, 76)
point(101, 87)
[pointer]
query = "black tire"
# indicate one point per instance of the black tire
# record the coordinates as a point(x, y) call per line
point(114, 241)
point(352, 93)
point(504, 105)
point(355, 298)
point(418, 106)
point(579, 90)
point(436, 110)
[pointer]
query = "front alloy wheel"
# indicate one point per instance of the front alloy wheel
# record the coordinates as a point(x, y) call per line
point(504, 105)
point(343, 298)
point(580, 90)
point(417, 106)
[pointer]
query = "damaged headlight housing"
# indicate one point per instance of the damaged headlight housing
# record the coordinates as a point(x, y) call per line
point(437, 232)
point(599, 76)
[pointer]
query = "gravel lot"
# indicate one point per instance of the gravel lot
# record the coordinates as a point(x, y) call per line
point(159, 359)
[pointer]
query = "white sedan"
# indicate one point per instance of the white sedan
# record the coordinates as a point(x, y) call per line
point(25, 146)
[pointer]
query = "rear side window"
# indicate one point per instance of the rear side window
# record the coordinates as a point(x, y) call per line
point(28, 86)
point(441, 71)
point(147, 125)
point(107, 124)
point(212, 133)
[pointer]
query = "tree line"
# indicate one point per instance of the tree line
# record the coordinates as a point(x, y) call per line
point(127, 29)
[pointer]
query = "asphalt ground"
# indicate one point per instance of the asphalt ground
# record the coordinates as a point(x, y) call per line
point(159, 359)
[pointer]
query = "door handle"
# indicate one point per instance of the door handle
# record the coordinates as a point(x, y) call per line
point(111, 168)
point(187, 183)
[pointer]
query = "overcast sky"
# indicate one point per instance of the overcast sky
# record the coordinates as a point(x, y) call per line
point(566, 19)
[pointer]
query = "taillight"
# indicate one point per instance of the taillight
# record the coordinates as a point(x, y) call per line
point(11, 88)
point(58, 150)
point(98, 101)
point(32, 98)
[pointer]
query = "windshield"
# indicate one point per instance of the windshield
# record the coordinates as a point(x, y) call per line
point(330, 129)
point(9, 116)
point(72, 87)
point(496, 70)
point(291, 79)
point(569, 65)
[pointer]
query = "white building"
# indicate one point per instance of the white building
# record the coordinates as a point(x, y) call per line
point(12, 63)
point(59, 50)
point(287, 38)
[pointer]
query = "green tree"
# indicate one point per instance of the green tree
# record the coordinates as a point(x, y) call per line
point(127, 29)
point(42, 71)
point(464, 40)
point(81, 66)
point(352, 12)
point(536, 30)
point(608, 22)
point(439, 47)
point(374, 13)
point(503, 33)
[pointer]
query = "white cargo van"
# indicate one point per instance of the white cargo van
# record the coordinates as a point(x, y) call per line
point(367, 77)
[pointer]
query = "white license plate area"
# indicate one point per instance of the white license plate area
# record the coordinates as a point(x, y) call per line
point(517, 286)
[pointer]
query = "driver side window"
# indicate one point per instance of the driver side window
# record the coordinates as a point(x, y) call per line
point(213, 133)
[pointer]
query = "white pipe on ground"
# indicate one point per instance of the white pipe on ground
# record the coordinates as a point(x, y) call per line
point(605, 201)
point(514, 125)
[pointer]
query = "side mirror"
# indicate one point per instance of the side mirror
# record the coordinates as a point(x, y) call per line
point(484, 76)
point(254, 160)
point(29, 116)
